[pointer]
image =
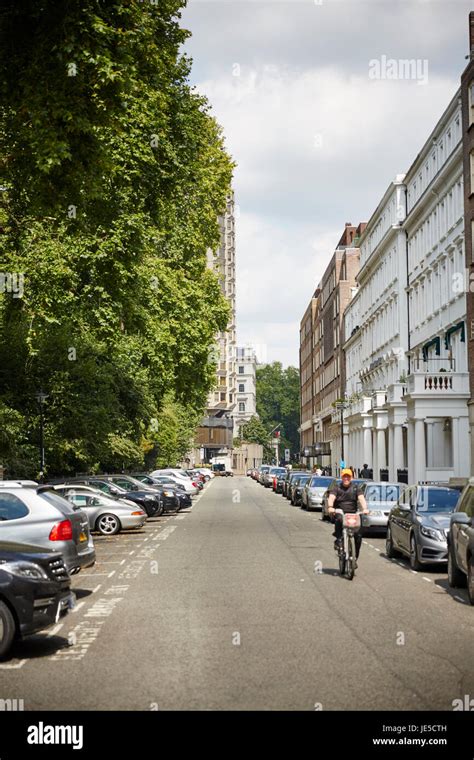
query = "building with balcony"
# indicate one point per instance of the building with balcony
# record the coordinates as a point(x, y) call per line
point(320, 432)
point(467, 124)
point(407, 417)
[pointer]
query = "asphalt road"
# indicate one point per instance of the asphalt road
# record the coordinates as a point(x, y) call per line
point(238, 604)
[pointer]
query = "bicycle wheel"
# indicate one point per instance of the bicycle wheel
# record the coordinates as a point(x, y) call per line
point(350, 564)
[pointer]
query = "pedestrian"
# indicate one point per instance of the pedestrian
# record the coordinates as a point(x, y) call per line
point(319, 471)
point(365, 472)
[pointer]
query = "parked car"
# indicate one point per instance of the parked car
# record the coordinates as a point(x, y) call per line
point(178, 476)
point(261, 472)
point(289, 480)
point(267, 478)
point(296, 488)
point(313, 491)
point(167, 495)
point(279, 480)
point(380, 497)
point(461, 542)
point(38, 516)
point(35, 591)
point(174, 494)
point(418, 525)
point(106, 515)
point(324, 505)
point(149, 501)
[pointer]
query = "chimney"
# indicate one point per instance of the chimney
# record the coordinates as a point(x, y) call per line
point(471, 35)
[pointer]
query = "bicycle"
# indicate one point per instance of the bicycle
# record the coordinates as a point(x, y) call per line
point(347, 550)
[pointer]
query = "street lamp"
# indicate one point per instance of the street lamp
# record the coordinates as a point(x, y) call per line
point(41, 397)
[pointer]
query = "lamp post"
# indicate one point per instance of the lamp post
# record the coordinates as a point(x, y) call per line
point(41, 397)
point(277, 451)
point(341, 405)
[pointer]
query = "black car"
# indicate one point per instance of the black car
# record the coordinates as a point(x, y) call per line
point(34, 591)
point(292, 474)
point(461, 542)
point(148, 500)
point(184, 499)
point(296, 488)
point(279, 483)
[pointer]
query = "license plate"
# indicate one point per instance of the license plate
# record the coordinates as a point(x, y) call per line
point(83, 536)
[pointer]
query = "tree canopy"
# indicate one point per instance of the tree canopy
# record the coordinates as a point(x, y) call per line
point(278, 402)
point(113, 174)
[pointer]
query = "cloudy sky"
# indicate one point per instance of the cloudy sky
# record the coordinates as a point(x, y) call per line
point(316, 137)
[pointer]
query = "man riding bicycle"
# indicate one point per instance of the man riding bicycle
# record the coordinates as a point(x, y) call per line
point(346, 496)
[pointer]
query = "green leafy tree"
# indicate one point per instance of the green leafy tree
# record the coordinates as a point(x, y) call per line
point(115, 173)
point(278, 401)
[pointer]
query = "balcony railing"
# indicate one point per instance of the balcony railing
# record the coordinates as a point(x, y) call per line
point(443, 383)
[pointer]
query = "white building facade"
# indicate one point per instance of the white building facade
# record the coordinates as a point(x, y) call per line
point(246, 387)
point(407, 414)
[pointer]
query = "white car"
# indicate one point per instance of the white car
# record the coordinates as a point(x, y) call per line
point(183, 481)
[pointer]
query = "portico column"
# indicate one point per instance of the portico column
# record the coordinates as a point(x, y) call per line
point(381, 452)
point(367, 447)
point(391, 454)
point(375, 459)
point(411, 461)
point(398, 460)
point(420, 450)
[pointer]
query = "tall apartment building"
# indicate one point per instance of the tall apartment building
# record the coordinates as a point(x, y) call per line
point(246, 386)
point(215, 434)
point(327, 387)
point(467, 107)
point(407, 415)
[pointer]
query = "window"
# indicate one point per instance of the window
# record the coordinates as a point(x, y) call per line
point(222, 396)
point(242, 406)
point(11, 507)
point(241, 388)
point(241, 370)
point(471, 103)
point(467, 504)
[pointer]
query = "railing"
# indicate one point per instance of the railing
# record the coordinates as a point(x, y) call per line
point(438, 382)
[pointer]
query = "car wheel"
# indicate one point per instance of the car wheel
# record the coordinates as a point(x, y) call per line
point(456, 578)
point(108, 524)
point(7, 629)
point(390, 550)
point(415, 563)
point(470, 580)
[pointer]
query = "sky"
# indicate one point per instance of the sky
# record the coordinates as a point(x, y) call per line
point(319, 116)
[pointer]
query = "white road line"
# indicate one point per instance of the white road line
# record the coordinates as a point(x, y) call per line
point(78, 606)
point(427, 579)
point(414, 572)
point(54, 630)
point(111, 574)
point(95, 590)
point(91, 575)
point(10, 666)
point(109, 562)
point(129, 553)
point(123, 561)
point(460, 599)
point(377, 550)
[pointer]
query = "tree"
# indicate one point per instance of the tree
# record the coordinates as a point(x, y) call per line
point(278, 401)
point(115, 174)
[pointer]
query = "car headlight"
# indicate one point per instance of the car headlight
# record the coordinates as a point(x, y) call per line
point(437, 535)
point(25, 570)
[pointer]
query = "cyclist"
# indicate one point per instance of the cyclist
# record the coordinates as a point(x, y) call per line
point(346, 496)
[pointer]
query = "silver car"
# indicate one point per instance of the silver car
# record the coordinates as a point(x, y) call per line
point(33, 514)
point(106, 515)
point(380, 497)
point(313, 492)
point(267, 477)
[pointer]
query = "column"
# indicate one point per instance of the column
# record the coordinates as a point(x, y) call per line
point(381, 452)
point(411, 452)
point(420, 450)
point(375, 460)
point(391, 458)
point(397, 449)
point(367, 447)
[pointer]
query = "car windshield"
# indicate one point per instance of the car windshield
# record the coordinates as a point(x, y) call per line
point(277, 471)
point(320, 482)
point(382, 492)
point(437, 500)
point(303, 479)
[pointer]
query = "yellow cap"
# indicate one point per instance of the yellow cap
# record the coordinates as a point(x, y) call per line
point(346, 471)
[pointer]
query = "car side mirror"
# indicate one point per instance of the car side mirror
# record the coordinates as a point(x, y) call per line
point(461, 518)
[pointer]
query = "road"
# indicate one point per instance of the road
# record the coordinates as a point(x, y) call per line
point(237, 604)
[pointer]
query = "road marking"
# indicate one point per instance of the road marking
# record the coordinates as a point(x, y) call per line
point(111, 574)
point(95, 590)
point(78, 607)
point(460, 599)
point(91, 575)
point(130, 553)
point(427, 579)
point(123, 562)
point(10, 666)
point(54, 630)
